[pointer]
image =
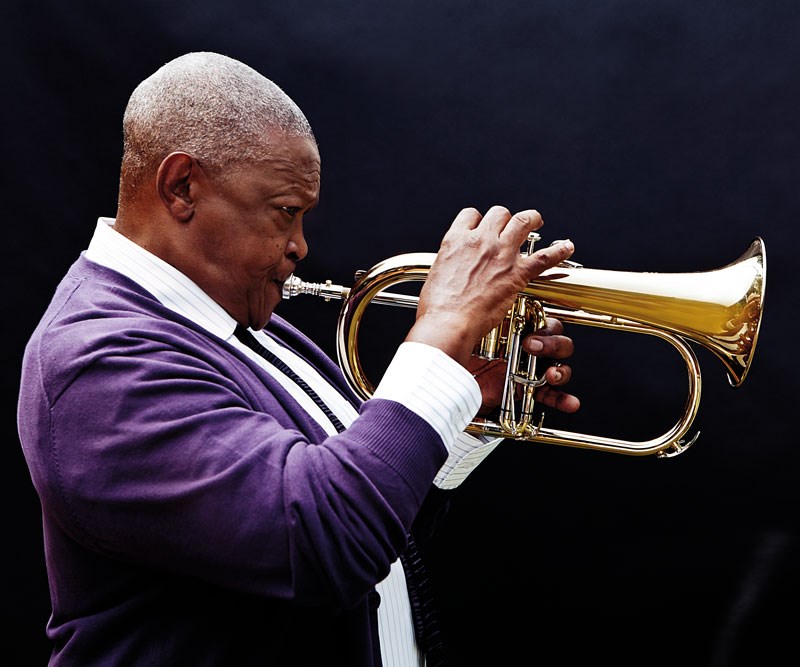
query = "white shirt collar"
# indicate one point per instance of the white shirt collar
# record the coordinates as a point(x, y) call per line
point(171, 287)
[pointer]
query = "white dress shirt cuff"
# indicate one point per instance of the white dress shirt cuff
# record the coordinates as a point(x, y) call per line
point(444, 393)
point(466, 453)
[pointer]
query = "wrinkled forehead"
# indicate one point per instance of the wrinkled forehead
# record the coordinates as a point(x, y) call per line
point(290, 166)
point(291, 152)
point(288, 162)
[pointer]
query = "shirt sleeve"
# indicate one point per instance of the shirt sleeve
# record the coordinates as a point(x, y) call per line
point(446, 395)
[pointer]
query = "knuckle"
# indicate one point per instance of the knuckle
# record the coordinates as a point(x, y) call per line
point(499, 210)
point(529, 217)
point(554, 325)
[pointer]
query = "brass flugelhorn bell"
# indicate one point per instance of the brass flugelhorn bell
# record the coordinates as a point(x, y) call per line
point(720, 310)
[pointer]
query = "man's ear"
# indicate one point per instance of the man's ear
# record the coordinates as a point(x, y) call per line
point(175, 182)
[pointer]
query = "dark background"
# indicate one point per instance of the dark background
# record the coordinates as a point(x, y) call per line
point(658, 136)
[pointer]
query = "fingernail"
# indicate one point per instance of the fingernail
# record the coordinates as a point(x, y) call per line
point(535, 345)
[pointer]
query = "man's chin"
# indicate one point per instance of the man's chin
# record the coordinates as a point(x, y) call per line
point(260, 315)
point(260, 320)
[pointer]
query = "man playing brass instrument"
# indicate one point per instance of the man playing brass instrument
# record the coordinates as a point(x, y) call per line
point(202, 505)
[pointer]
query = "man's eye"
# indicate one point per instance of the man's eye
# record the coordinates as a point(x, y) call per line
point(291, 211)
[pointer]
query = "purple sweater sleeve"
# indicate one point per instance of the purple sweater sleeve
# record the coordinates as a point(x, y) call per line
point(153, 443)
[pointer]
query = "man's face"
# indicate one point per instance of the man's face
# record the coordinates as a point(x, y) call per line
point(248, 230)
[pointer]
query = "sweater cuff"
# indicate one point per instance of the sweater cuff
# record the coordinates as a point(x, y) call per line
point(433, 385)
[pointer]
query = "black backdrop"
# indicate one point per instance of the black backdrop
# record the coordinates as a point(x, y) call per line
point(659, 136)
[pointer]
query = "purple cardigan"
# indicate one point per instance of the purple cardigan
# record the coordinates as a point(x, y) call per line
point(193, 513)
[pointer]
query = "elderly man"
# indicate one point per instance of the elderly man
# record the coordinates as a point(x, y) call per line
point(212, 491)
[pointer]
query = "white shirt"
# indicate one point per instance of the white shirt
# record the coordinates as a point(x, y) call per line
point(421, 377)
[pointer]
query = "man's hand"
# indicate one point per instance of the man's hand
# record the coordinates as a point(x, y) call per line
point(547, 343)
point(477, 273)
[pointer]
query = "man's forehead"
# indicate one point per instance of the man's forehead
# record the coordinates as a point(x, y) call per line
point(279, 145)
point(297, 154)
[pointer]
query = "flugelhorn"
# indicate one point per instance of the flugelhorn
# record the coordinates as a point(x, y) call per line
point(720, 310)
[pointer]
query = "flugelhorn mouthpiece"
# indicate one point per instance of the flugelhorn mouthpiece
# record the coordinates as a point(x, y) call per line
point(327, 290)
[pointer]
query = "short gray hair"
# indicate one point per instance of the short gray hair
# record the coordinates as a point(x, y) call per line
point(213, 107)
